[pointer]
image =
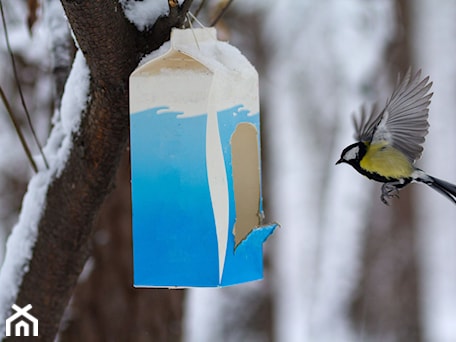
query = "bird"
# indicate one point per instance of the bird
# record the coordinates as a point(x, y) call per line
point(389, 141)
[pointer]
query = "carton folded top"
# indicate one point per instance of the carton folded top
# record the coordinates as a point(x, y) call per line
point(191, 53)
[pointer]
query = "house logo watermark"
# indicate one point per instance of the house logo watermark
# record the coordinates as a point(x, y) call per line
point(21, 323)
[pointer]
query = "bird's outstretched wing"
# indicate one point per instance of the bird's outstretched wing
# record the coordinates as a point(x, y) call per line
point(403, 122)
point(366, 123)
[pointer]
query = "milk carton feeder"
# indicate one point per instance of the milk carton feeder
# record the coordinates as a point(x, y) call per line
point(195, 165)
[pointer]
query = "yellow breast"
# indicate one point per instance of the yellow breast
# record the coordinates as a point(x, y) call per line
point(386, 161)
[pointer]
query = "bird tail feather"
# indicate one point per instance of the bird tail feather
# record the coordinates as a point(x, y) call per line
point(443, 187)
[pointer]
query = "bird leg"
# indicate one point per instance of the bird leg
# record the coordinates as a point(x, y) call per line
point(390, 190)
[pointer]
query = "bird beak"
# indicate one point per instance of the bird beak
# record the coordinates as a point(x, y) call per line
point(339, 161)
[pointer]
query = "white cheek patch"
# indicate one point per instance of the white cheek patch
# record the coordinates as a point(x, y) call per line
point(352, 153)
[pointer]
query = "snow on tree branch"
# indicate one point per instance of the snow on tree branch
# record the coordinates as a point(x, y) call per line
point(143, 14)
point(22, 239)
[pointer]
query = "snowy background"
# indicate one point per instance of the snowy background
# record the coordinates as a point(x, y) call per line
point(343, 267)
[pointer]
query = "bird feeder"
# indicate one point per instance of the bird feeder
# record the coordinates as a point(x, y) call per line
point(195, 165)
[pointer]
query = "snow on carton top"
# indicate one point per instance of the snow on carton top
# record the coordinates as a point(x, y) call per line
point(221, 63)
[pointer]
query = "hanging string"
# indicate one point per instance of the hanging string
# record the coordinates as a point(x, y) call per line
point(191, 28)
point(200, 7)
point(21, 95)
point(192, 18)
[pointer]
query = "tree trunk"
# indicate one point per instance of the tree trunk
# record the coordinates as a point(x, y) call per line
point(112, 47)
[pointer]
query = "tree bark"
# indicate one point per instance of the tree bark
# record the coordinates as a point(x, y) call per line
point(112, 47)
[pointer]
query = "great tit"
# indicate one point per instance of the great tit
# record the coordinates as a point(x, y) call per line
point(389, 140)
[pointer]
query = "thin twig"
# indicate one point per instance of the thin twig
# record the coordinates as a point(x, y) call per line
point(18, 130)
point(221, 13)
point(200, 7)
point(19, 88)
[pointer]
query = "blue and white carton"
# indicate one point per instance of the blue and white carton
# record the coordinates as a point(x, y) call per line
point(195, 165)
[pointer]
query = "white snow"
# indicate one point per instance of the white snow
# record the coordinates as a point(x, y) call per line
point(22, 239)
point(73, 106)
point(202, 44)
point(144, 14)
point(156, 53)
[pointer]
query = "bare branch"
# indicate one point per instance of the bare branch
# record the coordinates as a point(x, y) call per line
point(221, 13)
point(18, 130)
point(19, 88)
